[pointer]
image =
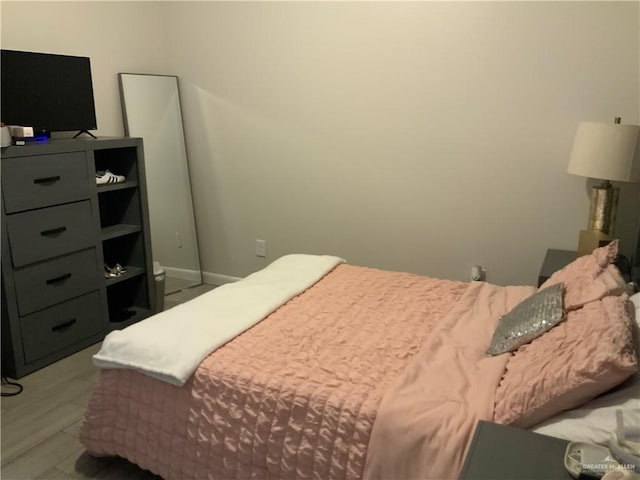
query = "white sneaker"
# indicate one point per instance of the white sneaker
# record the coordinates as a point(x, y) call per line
point(104, 177)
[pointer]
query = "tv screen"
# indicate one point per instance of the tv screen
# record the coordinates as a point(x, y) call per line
point(48, 92)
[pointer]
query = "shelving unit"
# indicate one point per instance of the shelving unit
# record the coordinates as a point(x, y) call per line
point(123, 235)
point(59, 230)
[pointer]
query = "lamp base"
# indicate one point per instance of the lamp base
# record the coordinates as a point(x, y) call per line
point(604, 204)
point(590, 240)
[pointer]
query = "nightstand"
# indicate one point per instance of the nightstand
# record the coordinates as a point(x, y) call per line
point(554, 260)
point(501, 452)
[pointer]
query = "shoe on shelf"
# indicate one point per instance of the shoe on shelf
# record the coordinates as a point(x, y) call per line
point(112, 272)
point(104, 177)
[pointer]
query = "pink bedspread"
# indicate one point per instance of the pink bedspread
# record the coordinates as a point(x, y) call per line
point(428, 415)
point(295, 396)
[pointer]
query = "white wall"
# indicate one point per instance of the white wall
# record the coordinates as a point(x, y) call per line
point(425, 137)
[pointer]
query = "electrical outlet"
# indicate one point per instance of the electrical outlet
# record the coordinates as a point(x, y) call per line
point(261, 248)
point(477, 273)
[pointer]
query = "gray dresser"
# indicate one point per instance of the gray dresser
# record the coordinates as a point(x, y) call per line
point(59, 229)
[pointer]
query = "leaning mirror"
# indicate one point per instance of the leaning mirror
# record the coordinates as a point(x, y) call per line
point(151, 110)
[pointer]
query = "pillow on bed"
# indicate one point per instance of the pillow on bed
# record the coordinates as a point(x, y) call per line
point(594, 421)
point(590, 277)
point(582, 357)
point(528, 320)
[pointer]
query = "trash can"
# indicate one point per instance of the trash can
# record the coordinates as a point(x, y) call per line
point(159, 275)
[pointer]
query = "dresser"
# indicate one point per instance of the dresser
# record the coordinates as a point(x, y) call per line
point(59, 230)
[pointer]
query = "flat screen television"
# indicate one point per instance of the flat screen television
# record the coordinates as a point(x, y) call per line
point(51, 93)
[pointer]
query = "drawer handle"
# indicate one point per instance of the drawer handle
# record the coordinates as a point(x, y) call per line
point(53, 179)
point(52, 232)
point(59, 279)
point(63, 326)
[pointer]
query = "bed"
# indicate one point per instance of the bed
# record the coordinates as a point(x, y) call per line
point(314, 368)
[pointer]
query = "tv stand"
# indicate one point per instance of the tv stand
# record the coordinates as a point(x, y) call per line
point(85, 131)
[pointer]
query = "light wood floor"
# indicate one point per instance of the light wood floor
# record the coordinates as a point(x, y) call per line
point(40, 427)
point(174, 284)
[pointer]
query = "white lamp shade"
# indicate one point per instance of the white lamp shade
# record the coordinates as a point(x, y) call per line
point(606, 151)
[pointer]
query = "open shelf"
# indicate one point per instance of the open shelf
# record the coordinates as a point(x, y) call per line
point(124, 318)
point(120, 161)
point(127, 297)
point(124, 235)
point(130, 273)
point(110, 187)
point(119, 230)
point(120, 206)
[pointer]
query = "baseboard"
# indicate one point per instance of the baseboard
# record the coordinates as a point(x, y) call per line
point(194, 276)
point(218, 279)
point(183, 273)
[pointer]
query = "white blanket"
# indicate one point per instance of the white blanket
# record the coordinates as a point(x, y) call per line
point(170, 345)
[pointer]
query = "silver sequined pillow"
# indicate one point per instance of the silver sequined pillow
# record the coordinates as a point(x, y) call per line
point(528, 320)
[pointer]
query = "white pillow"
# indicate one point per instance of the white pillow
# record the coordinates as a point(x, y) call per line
point(594, 421)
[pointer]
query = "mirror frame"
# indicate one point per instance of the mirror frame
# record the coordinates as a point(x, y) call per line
point(186, 164)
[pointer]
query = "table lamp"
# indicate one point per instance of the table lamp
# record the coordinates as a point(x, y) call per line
point(607, 152)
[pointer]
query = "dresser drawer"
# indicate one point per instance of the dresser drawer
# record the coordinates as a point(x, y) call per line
point(34, 182)
point(44, 284)
point(48, 331)
point(48, 232)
